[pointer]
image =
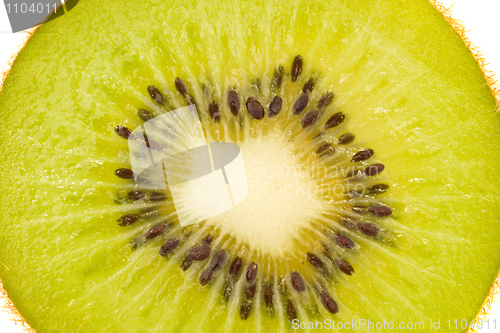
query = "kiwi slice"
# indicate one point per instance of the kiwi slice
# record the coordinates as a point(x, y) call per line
point(369, 139)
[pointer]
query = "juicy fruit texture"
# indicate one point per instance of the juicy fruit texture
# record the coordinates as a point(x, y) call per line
point(384, 93)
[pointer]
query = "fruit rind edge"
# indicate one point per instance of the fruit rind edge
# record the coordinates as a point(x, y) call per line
point(8, 65)
point(486, 308)
point(461, 30)
point(10, 309)
point(494, 85)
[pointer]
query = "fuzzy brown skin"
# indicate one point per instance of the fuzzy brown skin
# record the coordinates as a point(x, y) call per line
point(492, 83)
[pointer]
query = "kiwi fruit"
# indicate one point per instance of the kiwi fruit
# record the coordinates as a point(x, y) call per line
point(369, 137)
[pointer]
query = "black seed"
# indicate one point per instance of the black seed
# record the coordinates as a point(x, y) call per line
point(315, 261)
point(233, 101)
point(146, 140)
point(346, 139)
point(252, 272)
point(156, 231)
point(326, 148)
point(344, 266)
point(378, 188)
point(296, 67)
point(310, 118)
point(245, 310)
point(136, 195)
point(157, 196)
point(269, 295)
point(362, 155)
point(181, 87)
point(380, 211)
point(213, 108)
point(199, 253)
point(122, 131)
point(344, 241)
point(169, 246)
point(250, 291)
point(208, 239)
point(235, 267)
point(275, 106)
point(348, 224)
point(335, 120)
point(297, 282)
point(290, 310)
point(153, 144)
point(145, 114)
point(127, 219)
point(328, 302)
point(228, 291)
point(278, 76)
point(156, 95)
point(217, 260)
point(368, 229)
point(300, 104)
point(186, 264)
point(254, 108)
point(325, 100)
point(374, 169)
point(308, 86)
point(206, 277)
point(190, 100)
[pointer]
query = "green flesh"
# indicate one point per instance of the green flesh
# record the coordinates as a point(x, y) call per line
point(410, 89)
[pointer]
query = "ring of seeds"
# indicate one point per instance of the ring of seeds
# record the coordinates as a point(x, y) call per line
point(323, 140)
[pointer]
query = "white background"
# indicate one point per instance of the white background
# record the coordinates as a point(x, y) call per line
point(480, 17)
